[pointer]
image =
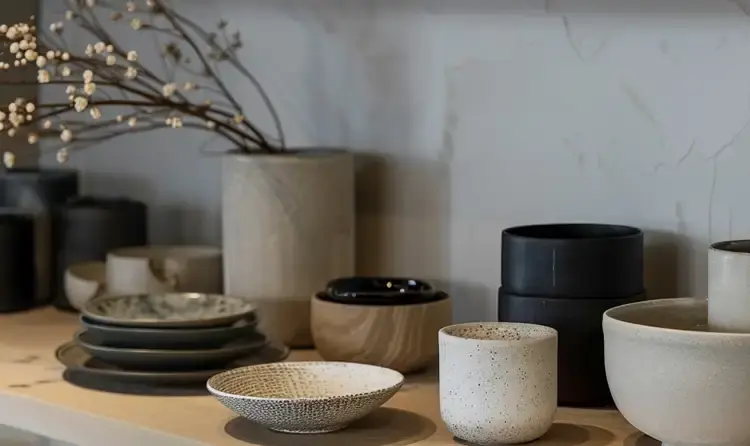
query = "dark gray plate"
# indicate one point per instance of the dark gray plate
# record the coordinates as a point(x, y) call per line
point(76, 359)
point(168, 310)
point(167, 338)
point(155, 359)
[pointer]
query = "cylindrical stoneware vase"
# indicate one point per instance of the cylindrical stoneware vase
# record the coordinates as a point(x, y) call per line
point(40, 192)
point(288, 228)
point(17, 261)
point(498, 381)
point(729, 286)
point(90, 227)
point(573, 260)
point(402, 337)
point(164, 269)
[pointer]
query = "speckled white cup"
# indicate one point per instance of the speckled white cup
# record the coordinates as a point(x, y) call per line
point(498, 381)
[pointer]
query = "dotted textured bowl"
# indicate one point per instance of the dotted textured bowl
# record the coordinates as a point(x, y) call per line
point(305, 397)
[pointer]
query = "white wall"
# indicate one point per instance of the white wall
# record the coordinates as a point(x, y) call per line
point(482, 114)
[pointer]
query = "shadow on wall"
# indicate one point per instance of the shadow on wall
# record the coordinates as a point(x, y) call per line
point(667, 263)
point(403, 216)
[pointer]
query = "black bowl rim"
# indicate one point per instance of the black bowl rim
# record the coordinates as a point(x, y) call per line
point(627, 232)
point(438, 297)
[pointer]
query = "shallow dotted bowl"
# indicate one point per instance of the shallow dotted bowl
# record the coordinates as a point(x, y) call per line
point(168, 310)
point(305, 397)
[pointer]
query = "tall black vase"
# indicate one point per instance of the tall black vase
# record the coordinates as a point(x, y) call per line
point(17, 261)
point(90, 227)
point(40, 192)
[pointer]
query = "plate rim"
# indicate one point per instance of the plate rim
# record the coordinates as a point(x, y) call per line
point(152, 376)
point(213, 322)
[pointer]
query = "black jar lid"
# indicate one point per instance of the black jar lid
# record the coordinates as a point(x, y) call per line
point(380, 291)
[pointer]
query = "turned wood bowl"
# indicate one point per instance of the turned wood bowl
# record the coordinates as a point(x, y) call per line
point(402, 337)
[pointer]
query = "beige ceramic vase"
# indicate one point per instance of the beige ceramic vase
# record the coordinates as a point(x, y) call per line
point(498, 381)
point(164, 269)
point(288, 228)
point(729, 286)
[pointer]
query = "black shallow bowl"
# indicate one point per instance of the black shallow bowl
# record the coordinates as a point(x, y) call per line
point(168, 338)
point(581, 377)
point(573, 260)
point(160, 359)
point(380, 291)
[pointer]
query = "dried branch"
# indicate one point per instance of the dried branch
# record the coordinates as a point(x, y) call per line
point(106, 69)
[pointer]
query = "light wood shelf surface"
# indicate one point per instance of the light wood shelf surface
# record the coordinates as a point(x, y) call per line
point(34, 397)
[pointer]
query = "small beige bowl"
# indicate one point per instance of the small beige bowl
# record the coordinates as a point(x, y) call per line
point(83, 282)
point(305, 397)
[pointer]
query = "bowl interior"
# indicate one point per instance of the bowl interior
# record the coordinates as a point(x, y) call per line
point(687, 314)
point(305, 380)
point(89, 271)
point(499, 331)
point(167, 307)
point(573, 231)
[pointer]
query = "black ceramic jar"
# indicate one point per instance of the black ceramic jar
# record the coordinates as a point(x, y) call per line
point(581, 378)
point(573, 260)
point(89, 227)
point(17, 261)
point(40, 192)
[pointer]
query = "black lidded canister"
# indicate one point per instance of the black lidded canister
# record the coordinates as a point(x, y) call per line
point(17, 261)
point(89, 227)
point(40, 191)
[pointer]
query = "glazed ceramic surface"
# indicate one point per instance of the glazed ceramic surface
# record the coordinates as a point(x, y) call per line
point(498, 381)
point(305, 397)
point(83, 282)
point(729, 286)
point(164, 269)
point(168, 310)
point(168, 338)
point(400, 337)
point(380, 291)
point(673, 380)
point(160, 359)
point(77, 360)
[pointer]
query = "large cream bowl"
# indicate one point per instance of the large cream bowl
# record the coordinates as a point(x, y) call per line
point(675, 381)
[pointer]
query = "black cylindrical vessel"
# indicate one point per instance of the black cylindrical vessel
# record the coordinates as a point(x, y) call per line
point(573, 260)
point(40, 192)
point(90, 227)
point(17, 261)
point(581, 378)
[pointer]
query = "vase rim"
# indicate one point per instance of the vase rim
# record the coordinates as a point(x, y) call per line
point(293, 152)
point(739, 247)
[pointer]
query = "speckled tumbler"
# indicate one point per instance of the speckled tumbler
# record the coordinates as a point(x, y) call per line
point(498, 381)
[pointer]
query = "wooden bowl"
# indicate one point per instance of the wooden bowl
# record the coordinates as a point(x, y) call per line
point(400, 337)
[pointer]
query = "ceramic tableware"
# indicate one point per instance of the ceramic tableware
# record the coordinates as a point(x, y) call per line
point(83, 282)
point(76, 359)
point(160, 359)
point(378, 291)
point(175, 310)
point(168, 338)
point(163, 269)
point(305, 397)
point(580, 363)
point(498, 381)
point(674, 380)
point(401, 335)
point(729, 286)
point(573, 260)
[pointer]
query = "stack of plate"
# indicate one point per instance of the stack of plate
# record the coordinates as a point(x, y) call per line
point(176, 338)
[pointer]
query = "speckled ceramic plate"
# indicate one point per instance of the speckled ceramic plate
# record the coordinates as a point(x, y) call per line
point(168, 310)
point(305, 397)
point(159, 359)
point(76, 359)
point(172, 338)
